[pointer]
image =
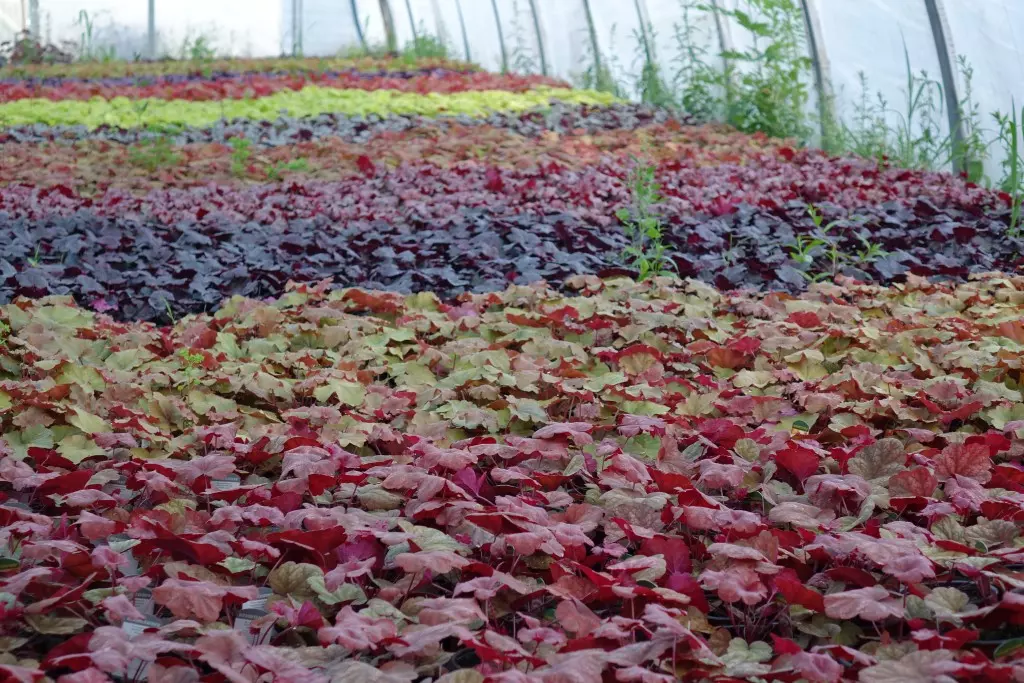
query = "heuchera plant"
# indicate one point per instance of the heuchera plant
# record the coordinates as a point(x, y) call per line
point(637, 483)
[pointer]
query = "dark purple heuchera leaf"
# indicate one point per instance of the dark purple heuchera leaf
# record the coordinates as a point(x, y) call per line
point(143, 268)
point(475, 228)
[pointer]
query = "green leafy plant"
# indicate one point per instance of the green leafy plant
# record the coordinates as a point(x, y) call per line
point(972, 150)
point(191, 367)
point(1012, 182)
point(154, 153)
point(650, 84)
point(824, 242)
point(765, 85)
point(696, 83)
point(597, 73)
point(277, 171)
point(87, 48)
point(140, 107)
point(35, 259)
point(425, 46)
point(241, 153)
point(911, 137)
point(646, 252)
point(197, 48)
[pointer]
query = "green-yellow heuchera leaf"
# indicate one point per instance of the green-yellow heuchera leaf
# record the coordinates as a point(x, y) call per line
point(347, 392)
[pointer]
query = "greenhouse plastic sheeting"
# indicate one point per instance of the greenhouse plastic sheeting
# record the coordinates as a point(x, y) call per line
point(565, 33)
point(898, 35)
point(485, 43)
point(990, 35)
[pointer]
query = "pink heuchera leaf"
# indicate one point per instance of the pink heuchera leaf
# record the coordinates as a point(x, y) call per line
point(577, 432)
point(486, 587)
point(920, 666)
point(20, 475)
point(577, 618)
point(870, 604)
point(841, 493)
point(738, 583)
point(212, 466)
point(631, 425)
point(966, 460)
point(95, 527)
point(121, 608)
point(306, 615)
point(200, 599)
point(538, 538)
point(357, 632)
point(112, 650)
point(450, 610)
point(812, 667)
point(965, 493)
point(346, 571)
point(801, 515)
point(711, 519)
point(90, 675)
point(736, 552)
point(87, 498)
point(720, 476)
point(427, 486)
point(910, 568)
point(437, 561)
point(582, 666)
point(418, 640)
point(638, 674)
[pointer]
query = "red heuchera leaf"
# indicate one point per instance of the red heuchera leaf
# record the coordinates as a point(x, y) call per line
point(366, 166)
point(722, 432)
point(493, 182)
point(869, 604)
point(918, 481)
point(796, 593)
point(800, 462)
point(966, 460)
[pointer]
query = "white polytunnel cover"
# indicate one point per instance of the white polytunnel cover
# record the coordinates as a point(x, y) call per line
point(870, 58)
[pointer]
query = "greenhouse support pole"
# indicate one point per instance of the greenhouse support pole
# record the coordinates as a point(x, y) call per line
point(33, 19)
point(820, 64)
point(465, 36)
point(945, 52)
point(641, 15)
point(724, 41)
point(151, 30)
point(389, 26)
point(540, 38)
point(359, 25)
point(412, 20)
point(296, 28)
point(501, 37)
point(594, 45)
